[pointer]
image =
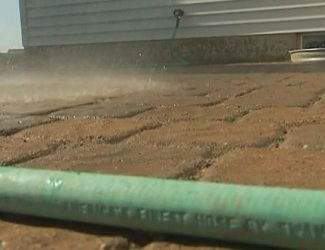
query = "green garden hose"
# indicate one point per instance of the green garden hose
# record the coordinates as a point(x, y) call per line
point(178, 13)
point(176, 60)
point(258, 215)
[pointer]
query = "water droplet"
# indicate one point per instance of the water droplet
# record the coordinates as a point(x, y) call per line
point(54, 182)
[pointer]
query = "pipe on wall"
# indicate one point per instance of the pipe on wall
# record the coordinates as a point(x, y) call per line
point(257, 215)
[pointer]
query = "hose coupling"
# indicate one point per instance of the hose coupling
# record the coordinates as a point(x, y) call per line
point(178, 13)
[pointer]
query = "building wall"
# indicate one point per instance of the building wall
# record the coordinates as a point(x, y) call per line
point(212, 31)
point(58, 22)
point(196, 51)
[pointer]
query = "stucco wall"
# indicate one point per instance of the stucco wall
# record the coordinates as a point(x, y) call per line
point(264, 48)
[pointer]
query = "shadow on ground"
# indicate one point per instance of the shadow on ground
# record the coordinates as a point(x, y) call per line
point(139, 239)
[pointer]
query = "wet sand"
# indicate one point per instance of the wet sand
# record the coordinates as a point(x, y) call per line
point(243, 124)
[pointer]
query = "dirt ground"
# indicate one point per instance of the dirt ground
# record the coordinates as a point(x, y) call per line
point(245, 124)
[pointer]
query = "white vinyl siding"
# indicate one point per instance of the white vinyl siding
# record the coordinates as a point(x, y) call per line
point(61, 22)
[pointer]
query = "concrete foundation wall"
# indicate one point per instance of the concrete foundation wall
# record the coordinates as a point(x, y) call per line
point(264, 48)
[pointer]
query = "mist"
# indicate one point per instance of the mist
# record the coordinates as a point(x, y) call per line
point(33, 86)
